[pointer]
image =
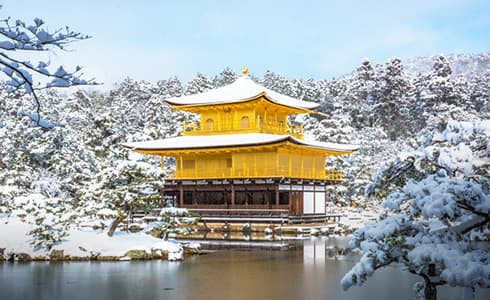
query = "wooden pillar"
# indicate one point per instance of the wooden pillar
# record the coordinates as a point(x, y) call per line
point(313, 175)
point(181, 195)
point(292, 202)
point(220, 125)
point(277, 195)
point(265, 119)
point(232, 195)
point(181, 163)
point(302, 165)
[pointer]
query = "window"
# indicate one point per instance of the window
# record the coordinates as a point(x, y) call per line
point(188, 198)
point(209, 125)
point(240, 198)
point(283, 198)
point(245, 122)
point(228, 124)
point(260, 121)
point(280, 126)
point(229, 163)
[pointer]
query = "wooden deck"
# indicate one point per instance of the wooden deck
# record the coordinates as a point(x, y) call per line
point(242, 215)
point(267, 216)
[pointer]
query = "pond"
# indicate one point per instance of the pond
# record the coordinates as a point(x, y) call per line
point(304, 271)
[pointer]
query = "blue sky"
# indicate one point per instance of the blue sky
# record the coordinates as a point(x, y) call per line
point(154, 40)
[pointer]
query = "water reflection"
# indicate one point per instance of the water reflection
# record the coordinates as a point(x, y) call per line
point(305, 271)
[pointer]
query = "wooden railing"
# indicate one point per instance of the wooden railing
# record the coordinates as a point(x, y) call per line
point(330, 175)
point(194, 128)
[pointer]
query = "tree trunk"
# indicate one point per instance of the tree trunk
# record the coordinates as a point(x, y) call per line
point(115, 223)
point(430, 291)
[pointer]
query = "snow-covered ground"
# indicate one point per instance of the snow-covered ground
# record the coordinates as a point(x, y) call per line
point(14, 238)
point(355, 218)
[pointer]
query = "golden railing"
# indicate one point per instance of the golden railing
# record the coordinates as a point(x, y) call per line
point(330, 175)
point(194, 128)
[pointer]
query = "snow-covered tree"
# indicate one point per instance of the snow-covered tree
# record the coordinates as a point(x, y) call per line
point(441, 96)
point(198, 84)
point(480, 93)
point(17, 39)
point(227, 76)
point(391, 104)
point(363, 83)
point(175, 221)
point(360, 95)
point(437, 200)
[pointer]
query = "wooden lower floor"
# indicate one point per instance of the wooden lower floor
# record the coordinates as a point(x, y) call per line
point(251, 199)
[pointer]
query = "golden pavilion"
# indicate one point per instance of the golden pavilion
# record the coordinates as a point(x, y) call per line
point(243, 156)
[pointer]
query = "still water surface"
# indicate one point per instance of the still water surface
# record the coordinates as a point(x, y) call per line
point(303, 272)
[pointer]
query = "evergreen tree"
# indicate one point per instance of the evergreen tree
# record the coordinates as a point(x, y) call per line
point(199, 84)
point(227, 76)
point(436, 200)
point(392, 104)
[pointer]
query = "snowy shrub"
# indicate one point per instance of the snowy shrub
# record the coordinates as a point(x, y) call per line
point(439, 195)
point(175, 221)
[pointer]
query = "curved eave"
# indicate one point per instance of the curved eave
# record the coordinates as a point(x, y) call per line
point(152, 147)
point(242, 90)
point(164, 150)
point(196, 107)
point(338, 149)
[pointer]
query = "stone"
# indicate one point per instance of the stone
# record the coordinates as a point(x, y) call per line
point(164, 255)
point(23, 257)
point(156, 232)
point(108, 258)
point(137, 254)
point(156, 254)
point(57, 255)
point(77, 258)
point(135, 228)
point(191, 250)
point(40, 258)
point(176, 255)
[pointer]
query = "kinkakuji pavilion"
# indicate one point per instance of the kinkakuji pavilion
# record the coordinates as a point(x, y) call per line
point(244, 156)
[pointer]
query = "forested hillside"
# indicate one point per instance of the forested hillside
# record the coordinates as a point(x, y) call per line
point(75, 166)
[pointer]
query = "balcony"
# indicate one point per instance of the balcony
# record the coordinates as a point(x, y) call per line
point(229, 173)
point(194, 128)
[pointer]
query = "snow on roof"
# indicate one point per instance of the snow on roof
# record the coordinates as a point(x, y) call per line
point(243, 89)
point(217, 141)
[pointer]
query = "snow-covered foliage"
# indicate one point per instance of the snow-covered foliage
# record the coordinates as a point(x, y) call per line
point(174, 221)
point(465, 65)
point(81, 154)
point(437, 199)
point(20, 37)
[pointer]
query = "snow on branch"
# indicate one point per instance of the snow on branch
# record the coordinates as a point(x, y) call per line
point(436, 198)
point(21, 37)
point(34, 37)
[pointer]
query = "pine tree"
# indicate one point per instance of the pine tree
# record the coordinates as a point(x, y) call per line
point(227, 76)
point(198, 84)
point(392, 103)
